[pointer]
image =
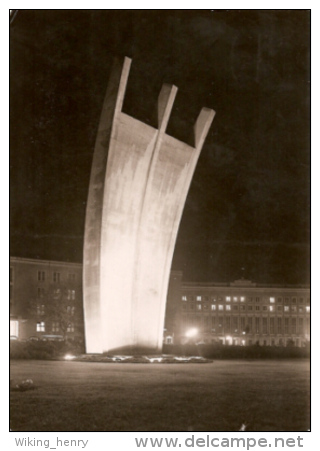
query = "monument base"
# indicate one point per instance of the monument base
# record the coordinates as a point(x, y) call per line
point(151, 358)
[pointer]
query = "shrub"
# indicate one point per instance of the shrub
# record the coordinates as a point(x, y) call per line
point(43, 350)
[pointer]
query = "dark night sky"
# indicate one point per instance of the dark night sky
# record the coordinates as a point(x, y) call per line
point(249, 202)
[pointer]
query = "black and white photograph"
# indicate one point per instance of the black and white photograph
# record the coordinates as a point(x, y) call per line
point(160, 205)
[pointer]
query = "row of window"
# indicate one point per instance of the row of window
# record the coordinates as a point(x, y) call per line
point(57, 293)
point(56, 276)
point(248, 325)
point(265, 308)
point(271, 299)
point(55, 327)
point(70, 309)
point(272, 342)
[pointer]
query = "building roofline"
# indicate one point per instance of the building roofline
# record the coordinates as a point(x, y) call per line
point(36, 261)
point(241, 283)
point(244, 286)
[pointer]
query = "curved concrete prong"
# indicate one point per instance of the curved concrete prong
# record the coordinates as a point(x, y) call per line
point(123, 84)
point(116, 89)
point(202, 126)
point(165, 103)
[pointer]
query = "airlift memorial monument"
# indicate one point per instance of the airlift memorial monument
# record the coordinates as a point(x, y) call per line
point(139, 182)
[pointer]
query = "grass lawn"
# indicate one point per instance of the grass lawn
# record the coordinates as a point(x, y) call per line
point(219, 396)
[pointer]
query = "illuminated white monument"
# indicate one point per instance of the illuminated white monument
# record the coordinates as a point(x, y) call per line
point(139, 181)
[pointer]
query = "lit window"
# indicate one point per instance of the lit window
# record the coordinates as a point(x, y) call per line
point(220, 307)
point(286, 308)
point(271, 308)
point(184, 298)
point(40, 309)
point(242, 299)
point(71, 295)
point(307, 309)
point(41, 327)
point(235, 299)
point(198, 298)
point(228, 307)
point(55, 326)
point(14, 328)
point(199, 306)
point(56, 293)
point(272, 300)
point(70, 327)
point(228, 298)
point(213, 307)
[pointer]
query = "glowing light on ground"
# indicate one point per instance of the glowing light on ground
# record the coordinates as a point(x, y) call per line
point(192, 332)
point(120, 358)
point(69, 357)
point(154, 359)
point(136, 359)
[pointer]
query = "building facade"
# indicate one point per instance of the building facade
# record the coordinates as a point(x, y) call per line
point(239, 313)
point(46, 303)
point(45, 299)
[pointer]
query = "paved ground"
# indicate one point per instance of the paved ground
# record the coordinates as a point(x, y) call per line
point(219, 396)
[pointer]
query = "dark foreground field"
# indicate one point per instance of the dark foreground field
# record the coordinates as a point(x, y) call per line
point(218, 396)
